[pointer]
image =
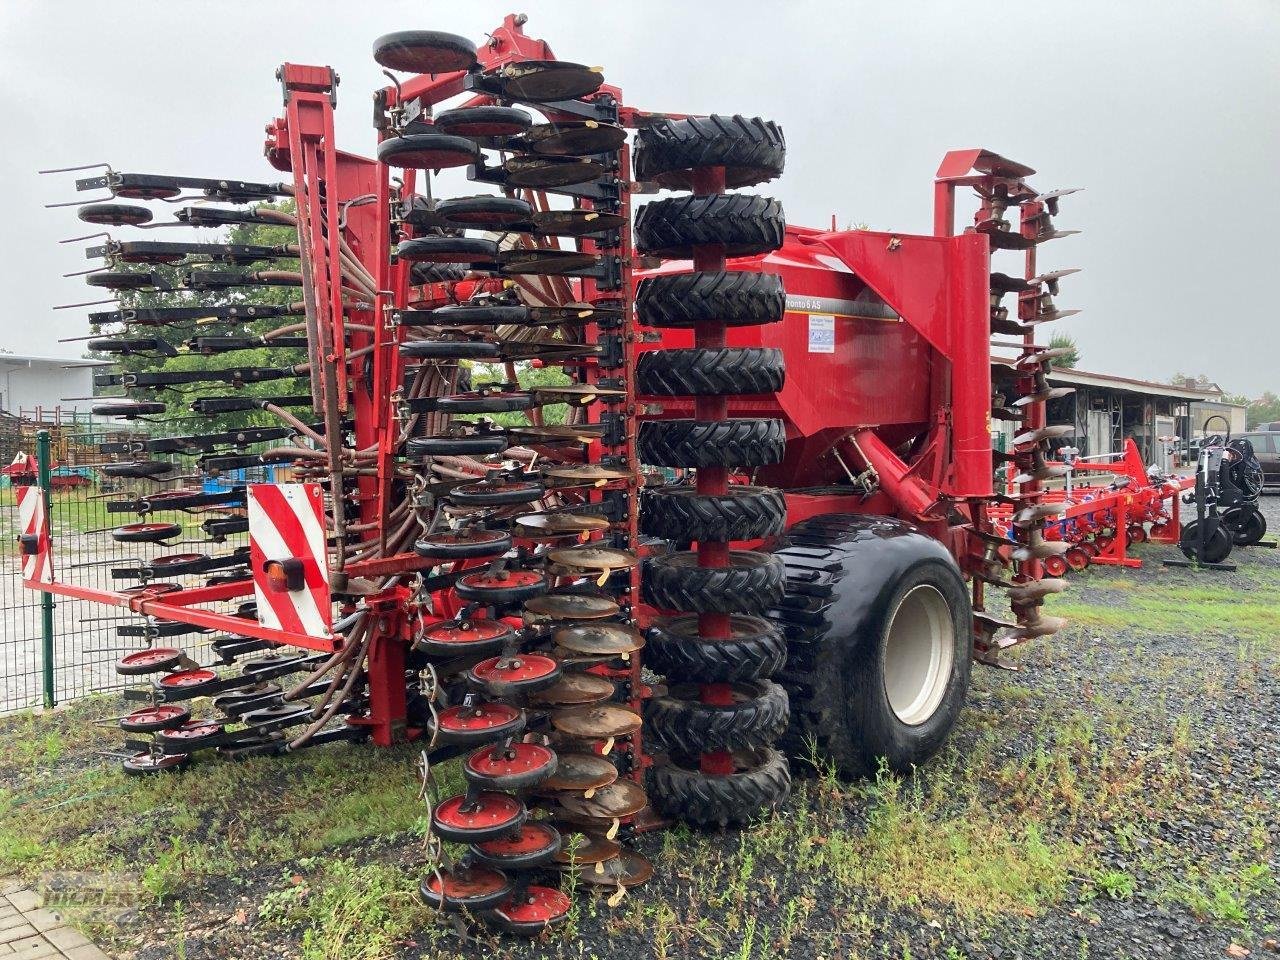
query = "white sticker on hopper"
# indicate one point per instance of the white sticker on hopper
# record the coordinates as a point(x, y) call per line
point(822, 333)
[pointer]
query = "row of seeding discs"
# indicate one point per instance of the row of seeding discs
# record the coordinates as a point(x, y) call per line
point(719, 722)
point(530, 640)
point(251, 699)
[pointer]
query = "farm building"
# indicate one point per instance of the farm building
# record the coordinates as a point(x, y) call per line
point(1108, 409)
point(43, 388)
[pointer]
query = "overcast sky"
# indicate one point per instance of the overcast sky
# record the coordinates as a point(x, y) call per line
point(1167, 111)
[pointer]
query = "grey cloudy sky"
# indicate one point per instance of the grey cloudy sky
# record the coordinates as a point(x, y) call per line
point(1168, 111)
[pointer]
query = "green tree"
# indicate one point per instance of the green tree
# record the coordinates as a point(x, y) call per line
point(179, 334)
point(1065, 341)
point(1264, 409)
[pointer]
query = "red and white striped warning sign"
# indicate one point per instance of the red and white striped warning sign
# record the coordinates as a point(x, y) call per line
point(286, 523)
point(37, 564)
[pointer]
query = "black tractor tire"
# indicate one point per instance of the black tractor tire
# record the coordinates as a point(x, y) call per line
point(712, 443)
point(1246, 525)
point(682, 724)
point(743, 224)
point(683, 514)
point(761, 784)
point(750, 149)
point(703, 372)
point(754, 650)
point(751, 583)
point(734, 297)
point(850, 580)
point(436, 272)
point(1217, 545)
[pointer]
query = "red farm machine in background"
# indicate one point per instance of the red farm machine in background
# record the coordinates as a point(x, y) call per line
point(466, 391)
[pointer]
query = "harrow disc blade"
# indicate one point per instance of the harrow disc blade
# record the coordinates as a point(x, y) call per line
point(596, 722)
point(580, 772)
point(1040, 627)
point(1052, 432)
point(1041, 549)
point(628, 869)
point(623, 798)
point(570, 606)
point(1029, 593)
point(542, 81)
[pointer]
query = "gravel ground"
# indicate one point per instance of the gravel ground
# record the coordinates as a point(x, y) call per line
point(1116, 797)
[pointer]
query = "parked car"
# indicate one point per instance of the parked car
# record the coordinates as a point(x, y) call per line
point(1266, 444)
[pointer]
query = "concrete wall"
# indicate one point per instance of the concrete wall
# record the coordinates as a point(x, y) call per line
point(1203, 410)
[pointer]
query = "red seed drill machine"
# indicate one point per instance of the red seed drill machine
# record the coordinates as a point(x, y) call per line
point(525, 451)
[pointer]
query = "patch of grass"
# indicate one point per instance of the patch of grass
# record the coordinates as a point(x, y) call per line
point(1224, 896)
point(348, 911)
point(1115, 884)
point(1177, 610)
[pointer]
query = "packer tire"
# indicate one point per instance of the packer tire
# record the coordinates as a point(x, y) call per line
point(742, 442)
point(710, 372)
point(755, 649)
point(750, 149)
point(684, 725)
point(683, 792)
point(740, 513)
point(736, 298)
point(742, 224)
point(751, 583)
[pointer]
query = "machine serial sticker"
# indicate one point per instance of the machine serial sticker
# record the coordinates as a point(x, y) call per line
point(822, 333)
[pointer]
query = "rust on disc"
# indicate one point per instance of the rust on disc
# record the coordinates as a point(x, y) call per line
point(579, 849)
point(600, 639)
point(599, 721)
point(593, 558)
point(585, 471)
point(580, 772)
point(560, 524)
point(575, 689)
point(622, 798)
point(571, 606)
point(627, 869)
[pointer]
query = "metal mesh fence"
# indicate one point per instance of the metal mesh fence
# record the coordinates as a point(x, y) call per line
point(85, 642)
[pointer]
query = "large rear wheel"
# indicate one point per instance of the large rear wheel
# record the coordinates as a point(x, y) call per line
point(880, 643)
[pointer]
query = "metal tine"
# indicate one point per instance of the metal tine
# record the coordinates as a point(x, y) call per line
point(87, 303)
point(84, 273)
point(87, 166)
point(90, 236)
point(81, 203)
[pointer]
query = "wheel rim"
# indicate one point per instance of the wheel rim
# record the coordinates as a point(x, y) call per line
point(919, 653)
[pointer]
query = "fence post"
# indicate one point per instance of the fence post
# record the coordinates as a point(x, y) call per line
point(46, 599)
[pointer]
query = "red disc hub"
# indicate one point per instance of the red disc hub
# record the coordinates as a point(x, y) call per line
point(157, 657)
point(502, 581)
point(522, 668)
point(468, 632)
point(488, 810)
point(194, 730)
point(478, 719)
point(519, 760)
point(532, 840)
point(536, 907)
point(188, 678)
point(162, 715)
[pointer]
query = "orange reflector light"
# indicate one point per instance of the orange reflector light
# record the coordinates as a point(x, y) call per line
point(285, 576)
